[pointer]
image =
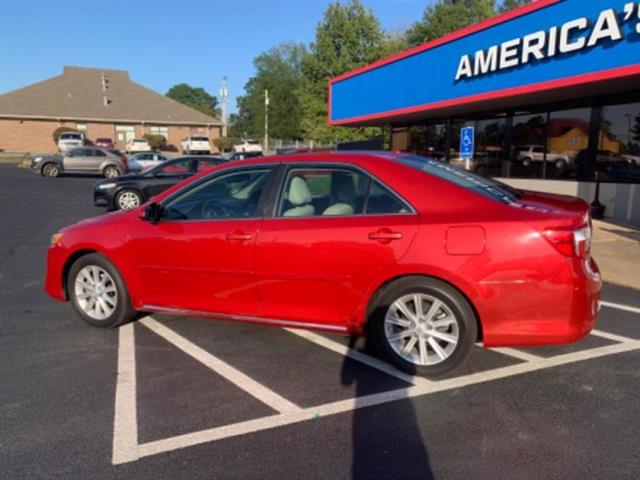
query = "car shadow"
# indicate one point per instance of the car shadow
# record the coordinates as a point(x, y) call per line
point(386, 441)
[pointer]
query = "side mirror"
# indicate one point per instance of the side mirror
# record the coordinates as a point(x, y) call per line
point(152, 213)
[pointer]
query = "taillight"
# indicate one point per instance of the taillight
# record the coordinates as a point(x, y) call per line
point(569, 241)
point(125, 160)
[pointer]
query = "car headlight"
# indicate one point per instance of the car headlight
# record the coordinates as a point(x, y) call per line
point(55, 239)
point(107, 186)
point(37, 159)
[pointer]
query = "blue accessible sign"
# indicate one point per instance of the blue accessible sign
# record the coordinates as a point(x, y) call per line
point(466, 142)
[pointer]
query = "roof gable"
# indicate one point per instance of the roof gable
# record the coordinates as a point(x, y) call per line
point(97, 94)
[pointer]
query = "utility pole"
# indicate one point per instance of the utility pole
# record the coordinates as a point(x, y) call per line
point(266, 120)
point(224, 95)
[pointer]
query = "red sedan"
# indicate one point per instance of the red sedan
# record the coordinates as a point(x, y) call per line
point(422, 257)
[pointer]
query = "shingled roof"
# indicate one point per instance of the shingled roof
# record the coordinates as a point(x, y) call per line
point(78, 94)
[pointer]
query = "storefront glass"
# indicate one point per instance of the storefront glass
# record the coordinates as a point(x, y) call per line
point(618, 156)
point(428, 140)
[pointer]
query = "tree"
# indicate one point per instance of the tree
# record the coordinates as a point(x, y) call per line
point(511, 4)
point(194, 97)
point(349, 36)
point(278, 71)
point(156, 142)
point(446, 16)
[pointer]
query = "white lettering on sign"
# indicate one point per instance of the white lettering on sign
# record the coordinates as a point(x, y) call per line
point(571, 36)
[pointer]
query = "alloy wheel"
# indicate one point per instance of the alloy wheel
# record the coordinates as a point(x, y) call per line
point(111, 172)
point(51, 170)
point(96, 292)
point(421, 329)
point(128, 200)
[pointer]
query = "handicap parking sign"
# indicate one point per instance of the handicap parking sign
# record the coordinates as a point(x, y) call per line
point(466, 142)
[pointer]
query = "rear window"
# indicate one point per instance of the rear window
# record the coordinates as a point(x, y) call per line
point(463, 178)
point(115, 152)
point(199, 139)
point(71, 136)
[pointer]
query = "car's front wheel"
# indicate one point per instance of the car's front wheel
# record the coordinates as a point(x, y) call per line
point(51, 170)
point(98, 293)
point(110, 172)
point(423, 326)
point(128, 199)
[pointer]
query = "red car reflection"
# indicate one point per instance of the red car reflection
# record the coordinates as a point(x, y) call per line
point(422, 257)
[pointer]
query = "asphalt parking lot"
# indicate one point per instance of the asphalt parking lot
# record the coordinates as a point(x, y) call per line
point(188, 398)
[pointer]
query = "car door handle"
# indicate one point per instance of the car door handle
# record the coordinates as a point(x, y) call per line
point(239, 236)
point(385, 235)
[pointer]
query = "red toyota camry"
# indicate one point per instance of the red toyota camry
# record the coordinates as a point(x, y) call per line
point(423, 258)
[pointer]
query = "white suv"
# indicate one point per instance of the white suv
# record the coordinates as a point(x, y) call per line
point(69, 140)
point(195, 144)
point(137, 145)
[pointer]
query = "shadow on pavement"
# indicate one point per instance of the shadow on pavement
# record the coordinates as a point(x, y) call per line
point(380, 449)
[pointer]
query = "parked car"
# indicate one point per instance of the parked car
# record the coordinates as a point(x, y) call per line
point(528, 154)
point(241, 155)
point(102, 161)
point(132, 190)
point(137, 145)
point(144, 160)
point(483, 162)
point(248, 146)
point(195, 144)
point(69, 140)
point(610, 167)
point(104, 142)
point(423, 257)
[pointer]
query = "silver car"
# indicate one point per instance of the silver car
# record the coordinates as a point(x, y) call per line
point(103, 161)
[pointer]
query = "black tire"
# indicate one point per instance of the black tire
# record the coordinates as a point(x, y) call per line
point(464, 314)
point(108, 171)
point(123, 311)
point(526, 162)
point(50, 170)
point(117, 203)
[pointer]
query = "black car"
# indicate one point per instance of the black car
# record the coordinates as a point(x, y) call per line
point(130, 191)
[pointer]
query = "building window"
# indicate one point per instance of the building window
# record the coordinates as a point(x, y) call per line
point(528, 148)
point(158, 130)
point(82, 128)
point(618, 155)
point(428, 140)
point(124, 133)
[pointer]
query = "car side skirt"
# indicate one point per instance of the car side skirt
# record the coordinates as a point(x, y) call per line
point(240, 318)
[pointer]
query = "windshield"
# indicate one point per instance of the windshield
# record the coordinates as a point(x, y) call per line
point(484, 186)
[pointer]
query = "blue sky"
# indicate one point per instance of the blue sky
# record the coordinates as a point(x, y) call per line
point(162, 42)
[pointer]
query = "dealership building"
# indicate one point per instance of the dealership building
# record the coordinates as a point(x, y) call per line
point(100, 103)
point(551, 89)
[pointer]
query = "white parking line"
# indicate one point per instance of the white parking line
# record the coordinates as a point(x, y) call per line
point(125, 421)
point(611, 336)
point(358, 356)
point(333, 408)
point(619, 306)
point(519, 354)
point(249, 385)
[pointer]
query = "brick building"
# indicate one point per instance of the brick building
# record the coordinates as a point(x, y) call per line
point(99, 103)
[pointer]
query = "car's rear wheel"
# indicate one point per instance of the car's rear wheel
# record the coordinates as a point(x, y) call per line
point(526, 162)
point(110, 172)
point(51, 170)
point(128, 199)
point(423, 326)
point(98, 293)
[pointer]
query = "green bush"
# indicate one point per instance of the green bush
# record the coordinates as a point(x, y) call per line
point(59, 131)
point(224, 144)
point(156, 142)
